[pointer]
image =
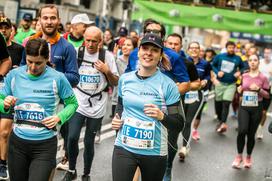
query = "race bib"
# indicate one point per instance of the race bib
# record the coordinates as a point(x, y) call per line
point(250, 99)
point(227, 66)
point(191, 97)
point(138, 134)
point(29, 112)
point(89, 78)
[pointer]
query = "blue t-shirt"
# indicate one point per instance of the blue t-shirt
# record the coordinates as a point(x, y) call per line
point(63, 56)
point(203, 69)
point(141, 134)
point(37, 98)
point(178, 73)
point(229, 64)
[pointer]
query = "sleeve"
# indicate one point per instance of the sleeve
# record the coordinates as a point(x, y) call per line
point(23, 61)
point(6, 90)
point(192, 72)
point(172, 93)
point(70, 66)
point(173, 121)
point(179, 69)
point(70, 108)
point(64, 87)
point(111, 63)
point(215, 64)
point(3, 48)
point(264, 90)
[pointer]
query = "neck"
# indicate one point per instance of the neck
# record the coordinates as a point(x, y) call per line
point(195, 59)
point(9, 42)
point(48, 37)
point(146, 72)
point(125, 57)
point(254, 71)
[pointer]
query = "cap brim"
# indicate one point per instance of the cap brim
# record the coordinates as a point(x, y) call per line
point(9, 25)
point(151, 42)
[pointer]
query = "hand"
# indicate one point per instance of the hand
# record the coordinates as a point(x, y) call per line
point(153, 111)
point(220, 74)
point(239, 89)
point(116, 122)
point(203, 83)
point(254, 87)
point(216, 81)
point(51, 121)
point(237, 74)
point(101, 66)
point(115, 49)
point(9, 101)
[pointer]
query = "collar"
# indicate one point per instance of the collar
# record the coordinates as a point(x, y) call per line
point(52, 41)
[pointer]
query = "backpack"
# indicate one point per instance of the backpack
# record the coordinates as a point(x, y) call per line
point(80, 59)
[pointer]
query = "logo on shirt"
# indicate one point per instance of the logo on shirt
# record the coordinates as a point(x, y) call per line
point(149, 94)
point(42, 91)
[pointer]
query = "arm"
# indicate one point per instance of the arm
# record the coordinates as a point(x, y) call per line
point(195, 85)
point(5, 66)
point(70, 66)
point(70, 108)
point(215, 63)
point(183, 87)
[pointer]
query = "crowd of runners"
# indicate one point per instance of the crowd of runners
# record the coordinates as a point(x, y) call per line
point(57, 79)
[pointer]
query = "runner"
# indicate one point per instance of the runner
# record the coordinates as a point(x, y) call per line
point(266, 69)
point(34, 91)
point(193, 100)
point(16, 52)
point(144, 96)
point(25, 30)
point(97, 69)
point(227, 67)
point(254, 87)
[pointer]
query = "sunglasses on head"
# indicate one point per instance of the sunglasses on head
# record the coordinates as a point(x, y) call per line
point(153, 31)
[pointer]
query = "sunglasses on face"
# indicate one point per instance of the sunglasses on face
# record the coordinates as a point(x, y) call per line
point(153, 31)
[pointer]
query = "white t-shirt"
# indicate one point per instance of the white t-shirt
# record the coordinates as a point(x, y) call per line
point(93, 81)
point(265, 68)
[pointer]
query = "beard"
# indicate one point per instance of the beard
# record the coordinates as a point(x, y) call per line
point(26, 26)
point(51, 32)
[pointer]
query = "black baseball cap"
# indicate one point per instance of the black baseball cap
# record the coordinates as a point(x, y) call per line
point(5, 20)
point(152, 39)
point(27, 17)
point(123, 31)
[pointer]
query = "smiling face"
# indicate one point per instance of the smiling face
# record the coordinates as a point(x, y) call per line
point(127, 47)
point(35, 64)
point(149, 56)
point(194, 50)
point(174, 43)
point(49, 21)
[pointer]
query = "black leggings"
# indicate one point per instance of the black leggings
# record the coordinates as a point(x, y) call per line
point(222, 110)
point(248, 122)
point(191, 111)
point(75, 124)
point(124, 165)
point(31, 160)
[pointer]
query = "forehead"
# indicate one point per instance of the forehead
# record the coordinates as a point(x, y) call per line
point(49, 12)
point(253, 57)
point(173, 39)
point(153, 26)
point(94, 35)
point(194, 45)
point(35, 58)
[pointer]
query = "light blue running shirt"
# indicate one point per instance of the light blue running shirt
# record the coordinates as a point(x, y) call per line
point(141, 134)
point(37, 98)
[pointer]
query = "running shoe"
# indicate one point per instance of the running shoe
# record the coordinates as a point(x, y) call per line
point(4, 172)
point(248, 162)
point(85, 178)
point(223, 128)
point(70, 175)
point(237, 162)
point(182, 153)
point(260, 132)
point(195, 135)
point(168, 174)
point(97, 137)
point(64, 164)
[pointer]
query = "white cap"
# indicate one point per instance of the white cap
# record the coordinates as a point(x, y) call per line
point(81, 18)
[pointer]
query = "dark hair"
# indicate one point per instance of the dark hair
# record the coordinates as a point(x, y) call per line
point(209, 50)
point(51, 6)
point(133, 40)
point(37, 47)
point(109, 30)
point(230, 43)
point(192, 43)
point(152, 21)
point(176, 35)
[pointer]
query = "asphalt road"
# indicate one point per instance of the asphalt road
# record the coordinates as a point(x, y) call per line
point(210, 158)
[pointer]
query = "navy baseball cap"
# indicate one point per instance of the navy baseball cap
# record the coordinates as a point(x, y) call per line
point(27, 17)
point(123, 31)
point(152, 39)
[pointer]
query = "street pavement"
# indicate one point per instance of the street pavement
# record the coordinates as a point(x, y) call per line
point(209, 159)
